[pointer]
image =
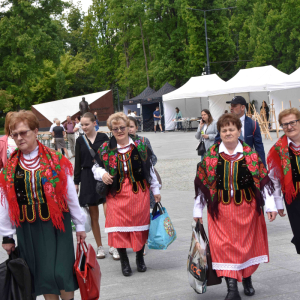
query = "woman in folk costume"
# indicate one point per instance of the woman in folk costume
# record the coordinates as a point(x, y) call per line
point(234, 184)
point(133, 127)
point(126, 168)
point(39, 200)
point(284, 165)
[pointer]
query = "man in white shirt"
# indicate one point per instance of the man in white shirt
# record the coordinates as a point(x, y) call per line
point(283, 162)
point(77, 129)
point(131, 114)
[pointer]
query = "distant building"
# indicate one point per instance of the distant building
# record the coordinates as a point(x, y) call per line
point(101, 102)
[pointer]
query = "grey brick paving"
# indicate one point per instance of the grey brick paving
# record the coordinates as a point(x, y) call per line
point(166, 277)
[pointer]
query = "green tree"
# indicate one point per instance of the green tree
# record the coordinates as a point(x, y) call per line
point(28, 36)
point(57, 82)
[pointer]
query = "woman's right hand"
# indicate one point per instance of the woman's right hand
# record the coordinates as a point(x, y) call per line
point(200, 219)
point(107, 179)
point(201, 124)
point(9, 248)
point(77, 188)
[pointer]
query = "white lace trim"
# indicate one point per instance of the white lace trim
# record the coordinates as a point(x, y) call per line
point(238, 267)
point(127, 229)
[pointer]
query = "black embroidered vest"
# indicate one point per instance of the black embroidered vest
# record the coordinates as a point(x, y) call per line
point(134, 171)
point(29, 203)
point(295, 165)
point(242, 181)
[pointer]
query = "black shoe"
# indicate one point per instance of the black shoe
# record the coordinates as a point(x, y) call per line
point(125, 266)
point(140, 263)
point(248, 287)
point(233, 292)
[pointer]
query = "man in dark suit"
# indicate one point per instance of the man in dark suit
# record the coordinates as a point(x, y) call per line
point(250, 133)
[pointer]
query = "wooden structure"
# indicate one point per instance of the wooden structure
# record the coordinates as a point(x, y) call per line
point(272, 119)
point(101, 102)
point(262, 124)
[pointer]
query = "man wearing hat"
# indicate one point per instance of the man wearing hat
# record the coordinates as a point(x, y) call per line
point(250, 133)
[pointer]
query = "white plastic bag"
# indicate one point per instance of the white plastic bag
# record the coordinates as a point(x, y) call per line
point(88, 222)
point(197, 263)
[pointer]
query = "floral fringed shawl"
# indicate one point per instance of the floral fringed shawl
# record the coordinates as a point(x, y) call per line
point(54, 170)
point(279, 162)
point(206, 178)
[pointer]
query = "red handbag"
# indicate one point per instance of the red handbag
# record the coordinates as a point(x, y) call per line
point(88, 272)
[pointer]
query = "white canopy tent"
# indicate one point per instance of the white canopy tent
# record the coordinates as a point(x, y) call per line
point(191, 98)
point(253, 84)
point(289, 93)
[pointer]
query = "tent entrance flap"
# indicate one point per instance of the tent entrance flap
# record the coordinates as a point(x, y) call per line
point(148, 119)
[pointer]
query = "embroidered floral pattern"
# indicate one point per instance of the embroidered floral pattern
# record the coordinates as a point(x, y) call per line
point(54, 168)
point(284, 155)
point(207, 169)
point(109, 157)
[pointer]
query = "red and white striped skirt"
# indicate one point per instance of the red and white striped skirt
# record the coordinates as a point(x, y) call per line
point(128, 218)
point(238, 240)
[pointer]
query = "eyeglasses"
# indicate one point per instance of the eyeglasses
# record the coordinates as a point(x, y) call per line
point(292, 124)
point(22, 134)
point(122, 129)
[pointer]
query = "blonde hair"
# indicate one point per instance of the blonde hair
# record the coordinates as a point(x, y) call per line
point(7, 120)
point(289, 111)
point(57, 122)
point(115, 118)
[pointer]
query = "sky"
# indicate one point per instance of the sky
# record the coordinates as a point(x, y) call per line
point(85, 4)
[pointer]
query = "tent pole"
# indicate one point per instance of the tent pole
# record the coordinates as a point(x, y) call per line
point(200, 105)
point(142, 120)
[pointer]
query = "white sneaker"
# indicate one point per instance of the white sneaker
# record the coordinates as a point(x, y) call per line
point(111, 250)
point(116, 255)
point(100, 252)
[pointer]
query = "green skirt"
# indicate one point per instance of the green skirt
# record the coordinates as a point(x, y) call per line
point(49, 254)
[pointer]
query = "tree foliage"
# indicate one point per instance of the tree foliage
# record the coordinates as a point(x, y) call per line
point(48, 53)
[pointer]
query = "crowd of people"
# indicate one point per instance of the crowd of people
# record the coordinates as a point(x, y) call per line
point(39, 197)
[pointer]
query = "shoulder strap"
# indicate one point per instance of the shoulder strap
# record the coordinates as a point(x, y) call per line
point(253, 126)
point(92, 152)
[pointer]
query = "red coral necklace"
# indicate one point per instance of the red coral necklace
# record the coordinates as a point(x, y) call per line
point(29, 163)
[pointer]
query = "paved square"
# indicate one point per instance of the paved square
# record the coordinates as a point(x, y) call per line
point(166, 277)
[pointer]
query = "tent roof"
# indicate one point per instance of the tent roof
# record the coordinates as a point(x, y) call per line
point(295, 74)
point(290, 82)
point(167, 88)
point(62, 108)
point(137, 99)
point(256, 79)
point(196, 87)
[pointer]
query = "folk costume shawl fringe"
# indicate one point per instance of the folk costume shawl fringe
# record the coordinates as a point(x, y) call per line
point(108, 154)
point(279, 161)
point(206, 179)
point(54, 170)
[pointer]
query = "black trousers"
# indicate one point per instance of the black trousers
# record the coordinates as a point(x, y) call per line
point(293, 211)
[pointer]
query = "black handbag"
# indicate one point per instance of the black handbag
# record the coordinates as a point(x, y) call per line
point(101, 187)
point(15, 279)
point(212, 278)
point(201, 148)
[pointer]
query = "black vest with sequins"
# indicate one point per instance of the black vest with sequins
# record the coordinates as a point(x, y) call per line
point(29, 203)
point(242, 181)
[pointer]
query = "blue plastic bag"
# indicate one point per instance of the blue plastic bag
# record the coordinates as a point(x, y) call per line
point(161, 232)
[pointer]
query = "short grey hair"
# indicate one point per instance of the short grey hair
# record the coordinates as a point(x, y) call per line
point(54, 120)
